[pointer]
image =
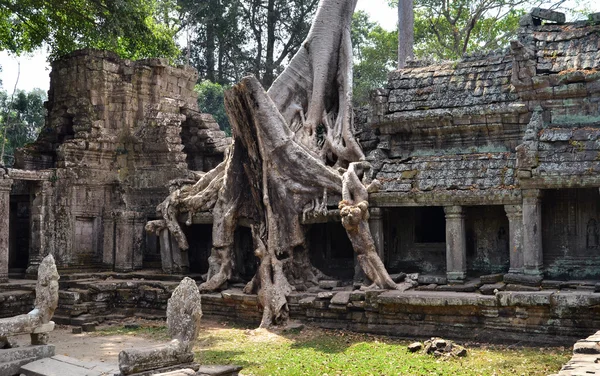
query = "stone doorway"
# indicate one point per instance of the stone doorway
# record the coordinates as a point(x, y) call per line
point(571, 233)
point(487, 240)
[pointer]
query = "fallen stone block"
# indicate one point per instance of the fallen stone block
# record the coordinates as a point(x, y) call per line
point(11, 360)
point(138, 360)
point(415, 346)
point(218, 371)
point(425, 279)
point(522, 279)
point(491, 278)
point(328, 285)
point(492, 288)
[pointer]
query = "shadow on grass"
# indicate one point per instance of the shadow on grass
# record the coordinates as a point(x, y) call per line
point(219, 357)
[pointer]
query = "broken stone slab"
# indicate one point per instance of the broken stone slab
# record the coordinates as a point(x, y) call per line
point(548, 15)
point(493, 288)
point(415, 346)
point(218, 371)
point(522, 279)
point(132, 361)
point(167, 370)
point(398, 277)
point(515, 287)
point(60, 365)
point(181, 372)
point(328, 285)
point(325, 295)
point(341, 298)
point(425, 279)
point(469, 286)
point(491, 278)
point(11, 360)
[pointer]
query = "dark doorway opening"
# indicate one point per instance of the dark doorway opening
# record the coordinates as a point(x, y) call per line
point(330, 250)
point(19, 233)
point(200, 240)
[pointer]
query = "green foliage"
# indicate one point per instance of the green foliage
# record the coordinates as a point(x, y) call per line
point(211, 100)
point(233, 38)
point(375, 54)
point(20, 119)
point(449, 30)
point(132, 28)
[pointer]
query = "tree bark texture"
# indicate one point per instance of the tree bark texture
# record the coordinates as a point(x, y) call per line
point(406, 32)
point(291, 145)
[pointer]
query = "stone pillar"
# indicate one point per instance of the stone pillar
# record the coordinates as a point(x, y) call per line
point(38, 247)
point(165, 251)
point(533, 258)
point(376, 227)
point(5, 185)
point(456, 245)
point(138, 241)
point(124, 240)
point(515, 229)
point(108, 239)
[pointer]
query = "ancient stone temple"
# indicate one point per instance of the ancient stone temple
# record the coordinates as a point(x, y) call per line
point(489, 171)
point(491, 164)
point(116, 133)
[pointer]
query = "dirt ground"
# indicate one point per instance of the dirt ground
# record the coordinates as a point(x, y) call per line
point(90, 346)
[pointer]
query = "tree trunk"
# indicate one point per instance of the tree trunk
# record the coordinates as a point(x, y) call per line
point(277, 170)
point(267, 79)
point(406, 32)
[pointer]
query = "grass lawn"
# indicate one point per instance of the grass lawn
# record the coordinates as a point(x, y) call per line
point(315, 351)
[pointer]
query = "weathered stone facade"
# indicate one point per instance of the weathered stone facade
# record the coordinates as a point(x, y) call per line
point(499, 153)
point(116, 133)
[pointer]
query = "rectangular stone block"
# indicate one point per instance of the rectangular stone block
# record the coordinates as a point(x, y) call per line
point(11, 360)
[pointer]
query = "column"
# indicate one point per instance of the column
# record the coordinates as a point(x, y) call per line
point(139, 241)
point(38, 247)
point(124, 237)
point(515, 229)
point(376, 227)
point(533, 258)
point(108, 239)
point(5, 185)
point(456, 246)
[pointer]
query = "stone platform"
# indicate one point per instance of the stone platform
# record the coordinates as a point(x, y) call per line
point(554, 312)
point(60, 365)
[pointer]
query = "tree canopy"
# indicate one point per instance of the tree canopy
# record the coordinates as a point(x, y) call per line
point(233, 38)
point(375, 54)
point(132, 28)
point(447, 30)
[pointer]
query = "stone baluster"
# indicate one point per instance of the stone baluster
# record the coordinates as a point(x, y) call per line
point(456, 246)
